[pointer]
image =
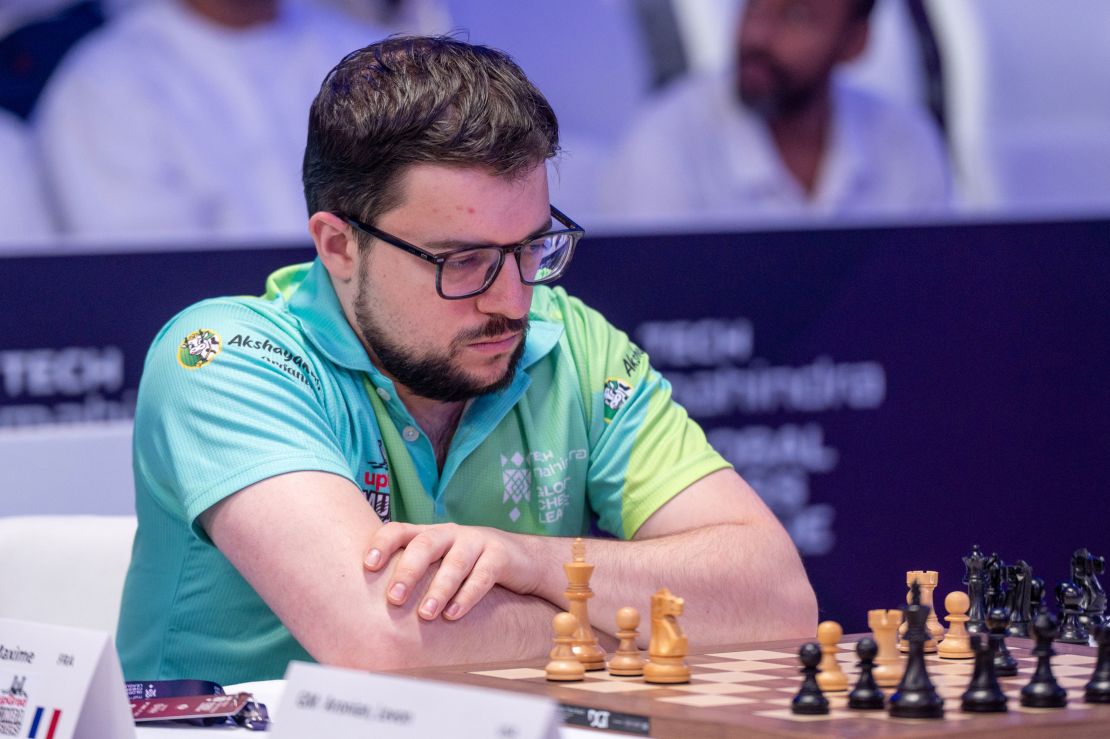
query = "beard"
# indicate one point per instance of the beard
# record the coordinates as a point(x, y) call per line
point(783, 96)
point(431, 375)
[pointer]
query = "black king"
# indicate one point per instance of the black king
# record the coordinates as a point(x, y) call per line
point(916, 697)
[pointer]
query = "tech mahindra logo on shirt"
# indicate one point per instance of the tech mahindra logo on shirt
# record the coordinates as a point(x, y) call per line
point(551, 476)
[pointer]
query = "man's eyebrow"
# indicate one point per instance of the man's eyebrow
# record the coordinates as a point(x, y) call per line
point(449, 244)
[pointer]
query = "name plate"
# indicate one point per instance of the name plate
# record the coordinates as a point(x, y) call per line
point(61, 683)
point(344, 704)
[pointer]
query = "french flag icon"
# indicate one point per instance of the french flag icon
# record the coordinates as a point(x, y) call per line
point(37, 723)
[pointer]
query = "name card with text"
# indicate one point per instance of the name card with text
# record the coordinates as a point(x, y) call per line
point(61, 683)
point(344, 704)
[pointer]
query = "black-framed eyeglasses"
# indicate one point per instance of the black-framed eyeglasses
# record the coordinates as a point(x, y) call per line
point(470, 270)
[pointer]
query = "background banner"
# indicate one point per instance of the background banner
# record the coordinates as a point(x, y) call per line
point(894, 394)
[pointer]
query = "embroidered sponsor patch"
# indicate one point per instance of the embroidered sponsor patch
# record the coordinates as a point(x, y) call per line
point(616, 394)
point(199, 348)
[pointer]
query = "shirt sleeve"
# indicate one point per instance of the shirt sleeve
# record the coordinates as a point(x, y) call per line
point(230, 396)
point(644, 448)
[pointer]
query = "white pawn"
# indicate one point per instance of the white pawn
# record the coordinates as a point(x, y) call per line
point(627, 662)
point(956, 643)
point(564, 666)
point(831, 679)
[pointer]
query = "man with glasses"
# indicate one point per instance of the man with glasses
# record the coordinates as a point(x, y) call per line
point(378, 462)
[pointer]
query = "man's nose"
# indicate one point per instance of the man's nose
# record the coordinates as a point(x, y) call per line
point(507, 296)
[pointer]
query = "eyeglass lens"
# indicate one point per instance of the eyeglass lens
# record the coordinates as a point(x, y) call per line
point(472, 271)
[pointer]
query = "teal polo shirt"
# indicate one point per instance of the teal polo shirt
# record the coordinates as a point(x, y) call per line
point(237, 390)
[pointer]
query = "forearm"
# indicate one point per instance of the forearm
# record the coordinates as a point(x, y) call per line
point(740, 582)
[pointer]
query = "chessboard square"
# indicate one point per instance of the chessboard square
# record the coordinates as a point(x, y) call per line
point(961, 679)
point(519, 673)
point(603, 675)
point(950, 691)
point(722, 688)
point(1072, 682)
point(1073, 659)
point(606, 686)
point(785, 714)
point(1016, 706)
point(704, 701)
point(755, 654)
point(735, 677)
point(747, 666)
point(847, 656)
point(1070, 670)
point(778, 701)
point(950, 714)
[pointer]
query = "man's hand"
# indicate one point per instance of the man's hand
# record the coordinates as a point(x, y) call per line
point(472, 559)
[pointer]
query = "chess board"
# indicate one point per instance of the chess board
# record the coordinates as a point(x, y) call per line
point(746, 690)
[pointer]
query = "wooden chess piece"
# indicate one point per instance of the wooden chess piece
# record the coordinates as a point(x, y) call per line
point(956, 643)
point(627, 661)
point(564, 665)
point(586, 648)
point(927, 581)
point(809, 701)
point(866, 696)
point(983, 694)
point(667, 647)
point(1072, 631)
point(916, 697)
point(830, 677)
point(1004, 663)
point(1043, 691)
point(1098, 689)
point(974, 564)
point(888, 666)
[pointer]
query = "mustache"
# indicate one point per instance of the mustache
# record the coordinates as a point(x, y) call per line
point(497, 326)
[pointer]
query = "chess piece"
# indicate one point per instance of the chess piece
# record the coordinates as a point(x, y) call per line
point(996, 582)
point(866, 696)
point(1085, 569)
point(1018, 577)
point(983, 694)
point(809, 701)
point(956, 644)
point(973, 578)
point(667, 647)
point(578, 591)
point(927, 581)
point(916, 697)
point(888, 667)
point(1043, 691)
point(1072, 631)
point(1098, 689)
point(1036, 596)
point(627, 662)
point(830, 678)
point(1004, 663)
point(564, 665)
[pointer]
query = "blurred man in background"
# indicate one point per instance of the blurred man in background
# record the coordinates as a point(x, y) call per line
point(23, 214)
point(778, 136)
point(185, 118)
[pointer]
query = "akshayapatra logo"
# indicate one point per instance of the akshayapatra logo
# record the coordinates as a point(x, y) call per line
point(199, 348)
point(616, 394)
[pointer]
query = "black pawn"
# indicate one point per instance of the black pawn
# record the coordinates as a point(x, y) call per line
point(1043, 691)
point(866, 696)
point(810, 701)
point(1098, 690)
point(1036, 596)
point(1069, 596)
point(916, 697)
point(983, 694)
point(1004, 663)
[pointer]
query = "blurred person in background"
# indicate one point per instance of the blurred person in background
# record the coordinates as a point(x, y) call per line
point(778, 136)
point(23, 214)
point(185, 118)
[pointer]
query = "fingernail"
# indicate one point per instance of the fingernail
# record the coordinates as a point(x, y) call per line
point(397, 592)
point(373, 557)
point(453, 610)
point(428, 610)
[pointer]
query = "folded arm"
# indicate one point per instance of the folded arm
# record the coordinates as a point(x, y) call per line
point(299, 540)
point(715, 544)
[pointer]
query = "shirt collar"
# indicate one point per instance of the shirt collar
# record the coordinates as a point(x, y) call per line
point(315, 303)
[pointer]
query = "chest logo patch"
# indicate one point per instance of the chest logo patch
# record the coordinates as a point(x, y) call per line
point(616, 394)
point(199, 348)
point(517, 480)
